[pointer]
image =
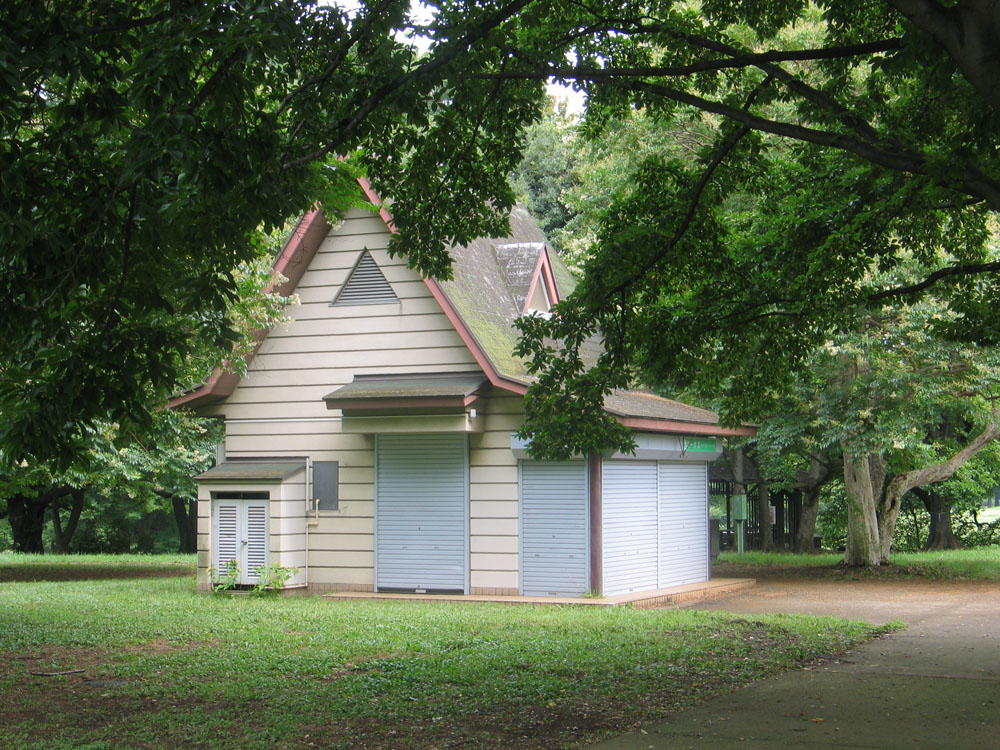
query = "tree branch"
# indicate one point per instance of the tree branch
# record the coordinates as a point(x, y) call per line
point(735, 60)
point(347, 125)
point(903, 483)
point(962, 269)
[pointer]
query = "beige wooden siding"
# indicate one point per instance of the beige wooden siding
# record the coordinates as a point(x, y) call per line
point(493, 498)
point(277, 408)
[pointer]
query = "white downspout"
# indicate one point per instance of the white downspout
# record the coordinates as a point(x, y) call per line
point(309, 499)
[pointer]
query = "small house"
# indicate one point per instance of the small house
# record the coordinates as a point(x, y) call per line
point(371, 442)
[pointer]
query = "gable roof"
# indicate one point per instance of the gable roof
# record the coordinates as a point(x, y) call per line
point(505, 271)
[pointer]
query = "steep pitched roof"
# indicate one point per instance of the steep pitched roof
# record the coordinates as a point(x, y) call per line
point(505, 272)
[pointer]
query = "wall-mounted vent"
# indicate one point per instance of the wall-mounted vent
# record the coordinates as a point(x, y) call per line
point(366, 285)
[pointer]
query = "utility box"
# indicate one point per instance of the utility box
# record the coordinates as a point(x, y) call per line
point(739, 508)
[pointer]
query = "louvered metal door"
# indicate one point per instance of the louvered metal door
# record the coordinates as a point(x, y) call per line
point(554, 528)
point(630, 526)
point(683, 523)
point(421, 513)
point(240, 533)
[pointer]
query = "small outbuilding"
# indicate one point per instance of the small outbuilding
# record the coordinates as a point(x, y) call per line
point(371, 443)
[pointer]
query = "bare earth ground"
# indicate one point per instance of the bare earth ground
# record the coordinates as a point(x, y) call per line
point(935, 684)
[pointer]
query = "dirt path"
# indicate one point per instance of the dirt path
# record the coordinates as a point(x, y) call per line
point(935, 684)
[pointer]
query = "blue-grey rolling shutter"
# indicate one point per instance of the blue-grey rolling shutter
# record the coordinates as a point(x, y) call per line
point(554, 528)
point(421, 513)
point(684, 553)
point(630, 526)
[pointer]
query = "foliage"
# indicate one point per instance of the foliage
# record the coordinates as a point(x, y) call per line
point(128, 476)
point(549, 171)
point(273, 577)
point(222, 671)
point(229, 578)
point(137, 177)
point(724, 271)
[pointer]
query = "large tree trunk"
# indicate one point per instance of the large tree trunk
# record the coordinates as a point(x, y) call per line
point(764, 514)
point(941, 535)
point(811, 482)
point(186, 515)
point(864, 478)
point(63, 537)
point(27, 521)
point(805, 530)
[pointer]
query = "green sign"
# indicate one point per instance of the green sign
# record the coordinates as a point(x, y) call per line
point(700, 445)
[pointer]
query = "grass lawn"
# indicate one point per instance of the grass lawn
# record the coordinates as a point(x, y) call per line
point(166, 667)
point(20, 567)
point(976, 563)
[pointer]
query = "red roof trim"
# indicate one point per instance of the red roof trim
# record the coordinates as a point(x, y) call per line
point(543, 271)
point(646, 424)
point(292, 262)
point(454, 318)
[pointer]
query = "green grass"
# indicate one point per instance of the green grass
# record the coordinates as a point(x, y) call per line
point(976, 563)
point(195, 670)
point(102, 561)
point(20, 567)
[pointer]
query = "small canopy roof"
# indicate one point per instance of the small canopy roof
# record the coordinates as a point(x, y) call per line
point(448, 391)
point(240, 469)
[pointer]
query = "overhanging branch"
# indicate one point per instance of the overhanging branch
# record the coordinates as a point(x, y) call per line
point(962, 269)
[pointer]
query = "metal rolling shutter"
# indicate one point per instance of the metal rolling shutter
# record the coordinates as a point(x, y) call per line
point(630, 526)
point(421, 513)
point(683, 523)
point(554, 528)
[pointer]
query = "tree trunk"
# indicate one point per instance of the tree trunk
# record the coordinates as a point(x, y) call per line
point(63, 537)
point(186, 515)
point(941, 535)
point(863, 480)
point(27, 521)
point(764, 516)
point(805, 531)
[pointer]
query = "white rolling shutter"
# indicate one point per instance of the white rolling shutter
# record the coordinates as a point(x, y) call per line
point(683, 523)
point(421, 513)
point(554, 528)
point(629, 490)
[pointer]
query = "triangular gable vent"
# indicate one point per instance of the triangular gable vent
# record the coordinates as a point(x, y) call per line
point(366, 285)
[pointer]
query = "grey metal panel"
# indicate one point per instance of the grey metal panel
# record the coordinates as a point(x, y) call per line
point(683, 523)
point(554, 528)
point(421, 512)
point(629, 495)
point(326, 484)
